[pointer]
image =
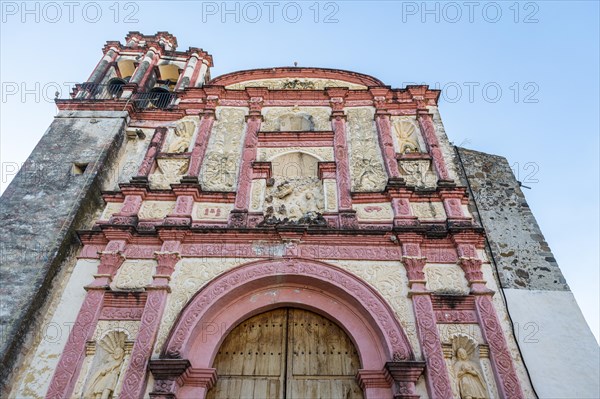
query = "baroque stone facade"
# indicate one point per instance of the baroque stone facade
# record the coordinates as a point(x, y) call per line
point(284, 189)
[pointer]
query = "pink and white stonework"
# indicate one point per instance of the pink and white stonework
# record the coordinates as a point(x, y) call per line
point(305, 188)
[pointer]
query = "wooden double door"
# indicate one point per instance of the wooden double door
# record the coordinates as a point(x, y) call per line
point(287, 353)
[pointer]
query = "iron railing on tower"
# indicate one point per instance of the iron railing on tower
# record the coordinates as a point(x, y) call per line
point(94, 92)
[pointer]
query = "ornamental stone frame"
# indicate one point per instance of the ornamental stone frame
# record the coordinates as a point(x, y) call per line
point(261, 286)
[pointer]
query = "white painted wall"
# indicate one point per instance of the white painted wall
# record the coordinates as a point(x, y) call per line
point(559, 349)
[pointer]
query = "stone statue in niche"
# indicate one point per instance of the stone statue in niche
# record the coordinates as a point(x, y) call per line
point(105, 375)
point(406, 134)
point(182, 133)
point(471, 383)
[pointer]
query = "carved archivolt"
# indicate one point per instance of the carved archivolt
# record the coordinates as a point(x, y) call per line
point(134, 274)
point(428, 210)
point(169, 171)
point(446, 279)
point(295, 84)
point(156, 209)
point(366, 164)
point(211, 211)
point(380, 212)
point(221, 163)
point(323, 154)
point(295, 119)
point(406, 135)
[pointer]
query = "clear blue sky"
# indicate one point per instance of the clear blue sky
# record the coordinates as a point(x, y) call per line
point(521, 80)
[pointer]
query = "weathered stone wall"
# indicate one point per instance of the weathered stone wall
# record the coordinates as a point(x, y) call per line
point(40, 211)
point(522, 254)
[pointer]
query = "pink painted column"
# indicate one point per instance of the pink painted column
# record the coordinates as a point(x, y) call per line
point(384, 130)
point(438, 380)
point(69, 365)
point(428, 131)
point(239, 215)
point(199, 150)
point(158, 139)
point(135, 378)
point(340, 146)
point(507, 380)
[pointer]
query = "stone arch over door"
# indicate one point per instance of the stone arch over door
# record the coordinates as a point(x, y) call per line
point(261, 286)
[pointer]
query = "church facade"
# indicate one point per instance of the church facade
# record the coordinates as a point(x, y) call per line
point(273, 233)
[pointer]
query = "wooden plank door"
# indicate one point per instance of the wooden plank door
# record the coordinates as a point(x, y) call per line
point(287, 354)
point(251, 360)
point(322, 361)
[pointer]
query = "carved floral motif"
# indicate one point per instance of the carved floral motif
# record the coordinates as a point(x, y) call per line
point(134, 274)
point(156, 209)
point(446, 279)
point(366, 163)
point(295, 84)
point(223, 155)
point(374, 212)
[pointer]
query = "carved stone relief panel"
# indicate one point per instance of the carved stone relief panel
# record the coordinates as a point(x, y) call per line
point(110, 209)
point(220, 166)
point(406, 135)
point(331, 195)
point(380, 212)
point(295, 84)
point(211, 211)
point(134, 275)
point(366, 163)
point(296, 119)
point(169, 171)
point(390, 281)
point(428, 210)
point(418, 173)
point(294, 199)
point(257, 195)
point(179, 136)
point(190, 275)
point(323, 154)
point(133, 154)
point(446, 279)
point(156, 209)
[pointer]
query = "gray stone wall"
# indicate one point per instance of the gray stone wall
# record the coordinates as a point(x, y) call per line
point(49, 199)
point(523, 256)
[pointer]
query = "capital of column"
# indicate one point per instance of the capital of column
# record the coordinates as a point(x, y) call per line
point(414, 269)
point(474, 275)
point(110, 261)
